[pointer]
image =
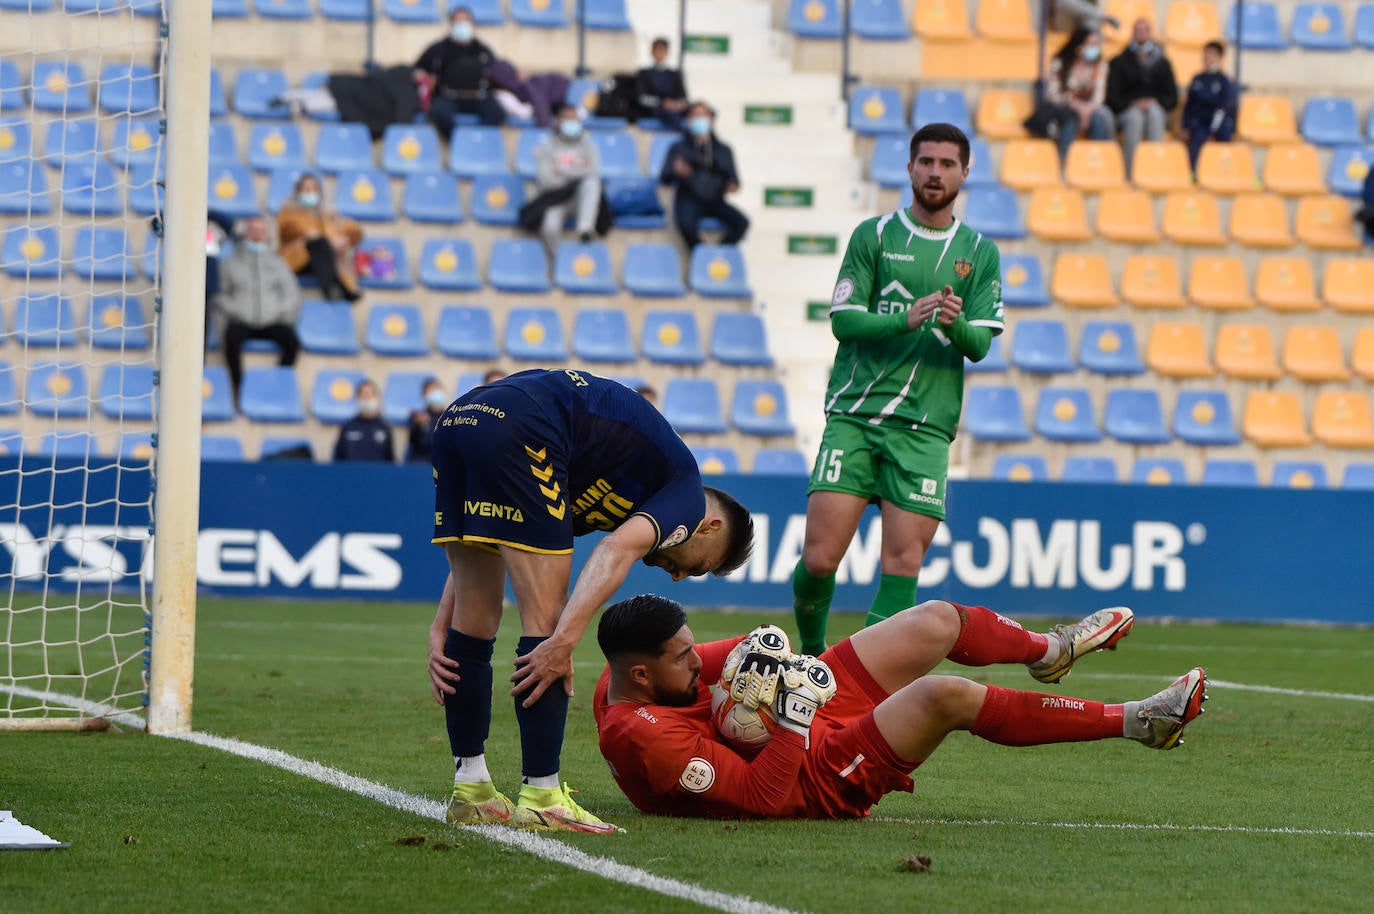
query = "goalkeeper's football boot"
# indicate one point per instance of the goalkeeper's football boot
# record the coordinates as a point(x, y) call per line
point(1100, 631)
point(554, 809)
point(1165, 714)
point(479, 804)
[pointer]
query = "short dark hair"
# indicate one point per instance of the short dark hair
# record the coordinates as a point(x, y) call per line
point(1215, 45)
point(941, 133)
point(565, 106)
point(460, 8)
point(698, 103)
point(741, 524)
point(639, 626)
point(659, 42)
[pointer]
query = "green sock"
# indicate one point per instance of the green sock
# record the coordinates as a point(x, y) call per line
point(895, 593)
point(811, 598)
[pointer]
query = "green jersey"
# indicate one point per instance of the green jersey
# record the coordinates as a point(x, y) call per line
point(914, 378)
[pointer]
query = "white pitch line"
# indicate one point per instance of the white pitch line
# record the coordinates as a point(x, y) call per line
point(1238, 686)
point(1137, 826)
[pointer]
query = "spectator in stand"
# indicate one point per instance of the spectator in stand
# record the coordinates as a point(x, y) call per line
point(1365, 214)
point(421, 446)
point(366, 437)
point(260, 299)
point(1210, 111)
point(659, 89)
point(1067, 15)
point(1141, 90)
point(702, 170)
point(456, 73)
point(567, 173)
point(319, 243)
point(493, 375)
point(1076, 90)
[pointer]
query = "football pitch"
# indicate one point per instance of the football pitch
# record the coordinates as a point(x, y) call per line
point(1269, 806)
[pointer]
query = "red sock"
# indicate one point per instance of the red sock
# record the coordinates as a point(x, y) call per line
point(986, 638)
point(1013, 718)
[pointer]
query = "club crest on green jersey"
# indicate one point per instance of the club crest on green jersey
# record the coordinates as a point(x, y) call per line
point(962, 268)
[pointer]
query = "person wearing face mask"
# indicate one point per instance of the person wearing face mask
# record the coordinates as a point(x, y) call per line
point(702, 170)
point(1076, 90)
point(567, 174)
point(366, 437)
point(260, 299)
point(1210, 111)
point(319, 243)
point(659, 90)
point(457, 69)
point(421, 446)
point(1141, 90)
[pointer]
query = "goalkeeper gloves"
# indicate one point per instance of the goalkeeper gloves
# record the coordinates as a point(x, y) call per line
point(806, 685)
point(752, 669)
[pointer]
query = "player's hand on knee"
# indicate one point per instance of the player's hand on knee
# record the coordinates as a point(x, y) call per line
point(752, 669)
point(443, 670)
point(806, 685)
point(538, 670)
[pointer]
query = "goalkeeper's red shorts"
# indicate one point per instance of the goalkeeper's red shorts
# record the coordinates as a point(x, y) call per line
point(850, 766)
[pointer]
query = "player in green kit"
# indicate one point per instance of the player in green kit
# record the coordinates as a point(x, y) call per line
point(917, 293)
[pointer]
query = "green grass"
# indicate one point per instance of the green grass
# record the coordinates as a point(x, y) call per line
point(156, 822)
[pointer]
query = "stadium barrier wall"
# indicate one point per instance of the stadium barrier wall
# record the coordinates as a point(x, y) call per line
point(362, 532)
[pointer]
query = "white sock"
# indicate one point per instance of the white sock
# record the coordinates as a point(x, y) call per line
point(471, 769)
point(1051, 651)
point(546, 781)
point(1132, 727)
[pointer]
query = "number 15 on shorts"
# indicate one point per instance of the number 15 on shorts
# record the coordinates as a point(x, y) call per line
point(829, 466)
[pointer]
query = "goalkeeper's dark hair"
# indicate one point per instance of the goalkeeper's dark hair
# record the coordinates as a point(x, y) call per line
point(741, 525)
point(639, 626)
point(941, 133)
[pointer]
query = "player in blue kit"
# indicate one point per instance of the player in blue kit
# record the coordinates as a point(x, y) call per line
point(521, 467)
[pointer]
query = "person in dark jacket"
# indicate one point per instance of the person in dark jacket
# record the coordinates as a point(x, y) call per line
point(702, 170)
point(1141, 90)
point(659, 89)
point(459, 70)
point(1365, 214)
point(366, 437)
point(1210, 111)
point(421, 445)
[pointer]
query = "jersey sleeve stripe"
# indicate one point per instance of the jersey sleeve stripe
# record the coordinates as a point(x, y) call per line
point(658, 534)
point(834, 308)
point(987, 323)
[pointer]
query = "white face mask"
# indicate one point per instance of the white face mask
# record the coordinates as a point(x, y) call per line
point(369, 407)
point(462, 32)
point(309, 198)
point(256, 247)
point(1091, 52)
point(570, 129)
point(436, 399)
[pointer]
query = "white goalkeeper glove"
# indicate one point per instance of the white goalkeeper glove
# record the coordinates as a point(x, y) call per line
point(807, 684)
point(752, 669)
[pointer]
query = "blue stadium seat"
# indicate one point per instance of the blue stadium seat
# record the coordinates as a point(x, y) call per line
point(876, 110)
point(653, 270)
point(692, 405)
point(994, 413)
point(319, 79)
point(91, 187)
point(1364, 26)
point(525, 144)
point(16, 140)
point(619, 153)
point(584, 93)
point(635, 203)
point(1089, 469)
point(32, 252)
point(672, 337)
point(1320, 27)
point(364, 194)
point(273, 146)
point(221, 449)
point(815, 19)
point(412, 10)
point(46, 319)
point(9, 395)
point(383, 264)
point(60, 86)
point(887, 166)
point(24, 188)
point(584, 269)
point(256, 89)
point(449, 264)
point(432, 196)
point(126, 391)
point(466, 332)
point(69, 446)
point(224, 144)
point(717, 271)
point(339, 147)
point(94, 6)
point(219, 104)
point(271, 395)
point(1023, 282)
point(396, 330)
point(1109, 347)
point(497, 199)
point(658, 152)
point(135, 449)
point(1204, 417)
point(327, 327)
point(134, 141)
point(1258, 28)
point(146, 195)
point(102, 253)
point(216, 395)
point(606, 15)
point(1330, 120)
point(760, 408)
point(232, 192)
point(1230, 473)
point(518, 266)
point(602, 335)
point(933, 106)
point(229, 9)
point(1349, 166)
point(980, 170)
point(1358, 476)
point(474, 151)
point(410, 148)
point(544, 14)
point(1041, 347)
point(71, 139)
point(994, 211)
point(1066, 414)
point(535, 335)
point(780, 461)
point(1135, 417)
point(128, 88)
point(332, 399)
point(994, 361)
point(485, 12)
point(284, 9)
point(1299, 474)
point(713, 461)
point(740, 339)
point(1159, 471)
point(150, 263)
point(403, 394)
point(286, 447)
point(58, 389)
point(281, 184)
point(879, 20)
point(117, 322)
point(13, 97)
point(1020, 468)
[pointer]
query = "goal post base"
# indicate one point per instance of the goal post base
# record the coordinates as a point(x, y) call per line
point(53, 724)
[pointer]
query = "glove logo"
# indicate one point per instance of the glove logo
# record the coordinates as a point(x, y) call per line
point(772, 640)
point(819, 676)
point(698, 776)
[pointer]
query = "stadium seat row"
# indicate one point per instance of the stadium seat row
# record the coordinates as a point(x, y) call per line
point(1300, 474)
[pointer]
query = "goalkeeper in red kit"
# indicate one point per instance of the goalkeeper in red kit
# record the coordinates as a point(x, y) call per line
point(853, 724)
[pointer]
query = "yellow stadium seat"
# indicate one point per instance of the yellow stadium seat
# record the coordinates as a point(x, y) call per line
point(942, 19)
point(1273, 418)
point(1058, 214)
point(1286, 284)
point(1178, 351)
point(1095, 165)
point(1191, 23)
point(1247, 351)
point(1362, 353)
point(1161, 167)
point(1266, 119)
point(1127, 216)
point(1030, 163)
point(1260, 221)
point(1227, 168)
point(1326, 222)
point(1152, 281)
point(1082, 281)
point(1343, 419)
point(1001, 113)
point(1294, 169)
point(1004, 20)
point(1219, 283)
point(1191, 218)
point(1313, 353)
point(1348, 285)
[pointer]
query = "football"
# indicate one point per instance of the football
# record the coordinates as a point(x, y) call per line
point(746, 730)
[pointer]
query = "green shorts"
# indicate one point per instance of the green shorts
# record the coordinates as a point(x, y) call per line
point(906, 468)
